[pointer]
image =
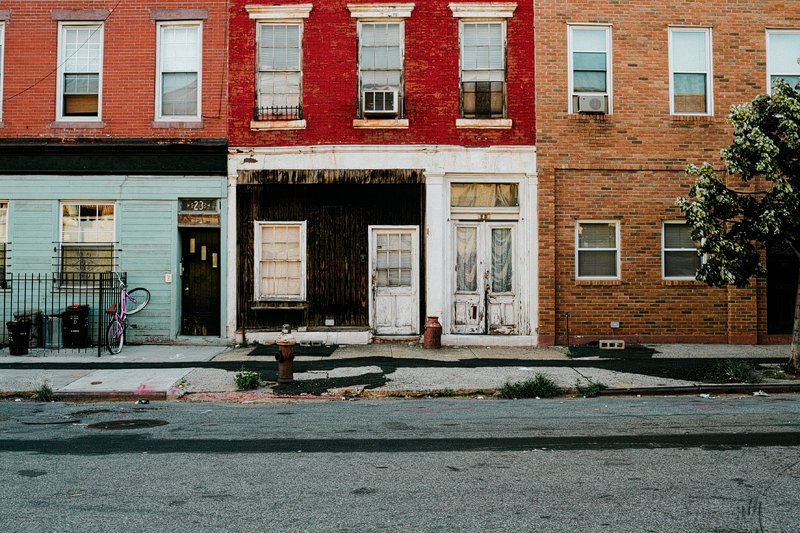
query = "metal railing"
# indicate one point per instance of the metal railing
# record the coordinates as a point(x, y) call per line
point(278, 112)
point(67, 311)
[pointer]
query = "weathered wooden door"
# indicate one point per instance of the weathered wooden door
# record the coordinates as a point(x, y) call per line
point(394, 284)
point(484, 299)
point(200, 281)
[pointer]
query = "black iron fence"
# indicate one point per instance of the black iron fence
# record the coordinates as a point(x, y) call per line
point(278, 112)
point(57, 311)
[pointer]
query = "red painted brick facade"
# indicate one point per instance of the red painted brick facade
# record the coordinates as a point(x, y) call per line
point(629, 166)
point(129, 70)
point(431, 79)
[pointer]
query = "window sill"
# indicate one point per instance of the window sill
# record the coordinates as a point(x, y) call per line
point(273, 125)
point(598, 282)
point(589, 117)
point(277, 305)
point(77, 124)
point(179, 124)
point(682, 283)
point(485, 123)
point(696, 118)
point(376, 124)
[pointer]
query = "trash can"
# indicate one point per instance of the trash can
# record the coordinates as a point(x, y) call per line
point(75, 326)
point(35, 316)
point(19, 332)
point(52, 332)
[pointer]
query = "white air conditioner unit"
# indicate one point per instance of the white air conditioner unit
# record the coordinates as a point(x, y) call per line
point(597, 104)
point(379, 102)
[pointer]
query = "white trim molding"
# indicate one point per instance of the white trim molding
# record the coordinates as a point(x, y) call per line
point(380, 11)
point(483, 10)
point(274, 125)
point(278, 12)
point(485, 123)
point(379, 124)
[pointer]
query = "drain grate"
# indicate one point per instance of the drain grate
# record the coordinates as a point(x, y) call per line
point(127, 424)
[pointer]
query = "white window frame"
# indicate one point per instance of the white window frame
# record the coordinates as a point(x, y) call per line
point(769, 67)
point(299, 70)
point(79, 244)
point(609, 94)
point(4, 242)
point(504, 43)
point(664, 251)
point(257, 225)
point(709, 70)
point(402, 44)
point(62, 26)
point(158, 112)
point(618, 250)
point(2, 63)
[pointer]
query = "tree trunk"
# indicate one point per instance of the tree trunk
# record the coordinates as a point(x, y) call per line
point(794, 357)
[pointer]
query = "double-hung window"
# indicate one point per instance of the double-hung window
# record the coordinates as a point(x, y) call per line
point(380, 69)
point(2, 68)
point(278, 87)
point(589, 69)
point(783, 57)
point(87, 241)
point(280, 254)
point(597, 250)
point(690, 71)
point(179, 80)
point(80, 67)
point(482, 53)
point(680, 258)
point(3, 240)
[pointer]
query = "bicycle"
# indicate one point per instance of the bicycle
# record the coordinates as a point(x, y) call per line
point(115, 333)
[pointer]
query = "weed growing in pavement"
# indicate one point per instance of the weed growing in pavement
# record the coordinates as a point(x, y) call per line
point(44, 393)
point(540, 386)
point(781, 372)
point(247, 379)
point(591, 389)
point(734, 371)
point(447, 393)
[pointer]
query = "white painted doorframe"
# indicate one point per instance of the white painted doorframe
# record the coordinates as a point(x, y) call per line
point(412, 305)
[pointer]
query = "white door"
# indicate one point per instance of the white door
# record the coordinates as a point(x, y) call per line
point(484, 300)
point(394, 284)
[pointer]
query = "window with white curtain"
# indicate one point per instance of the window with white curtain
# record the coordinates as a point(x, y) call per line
point(178, 80)
point(783, 57)
point(680, 259)
point(280, 252)
point(279, 72)
point(690, 71)
point(87, 240)
point(597, 249)
point(483, 69)
point(80, 68)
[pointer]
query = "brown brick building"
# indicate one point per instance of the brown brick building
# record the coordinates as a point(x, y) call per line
point(627, 95)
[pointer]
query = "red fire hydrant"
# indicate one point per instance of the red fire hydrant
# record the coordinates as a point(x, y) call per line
point(285, 355)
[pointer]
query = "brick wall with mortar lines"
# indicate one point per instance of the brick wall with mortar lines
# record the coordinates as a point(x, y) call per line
point(129, 70)
point(431, 79)
point(629, 166)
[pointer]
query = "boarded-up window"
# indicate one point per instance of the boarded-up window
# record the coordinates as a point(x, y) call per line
point(690, 71)
point(598, 249)
point(280, 267)
point(681, 259)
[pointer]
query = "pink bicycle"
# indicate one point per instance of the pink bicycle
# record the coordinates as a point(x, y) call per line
point(115, 334)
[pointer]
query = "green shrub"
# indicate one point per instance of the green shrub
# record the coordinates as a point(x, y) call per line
point(591, 389)
point(247, 379)
point(540, 386)
point(44, 393)
point(735, 371)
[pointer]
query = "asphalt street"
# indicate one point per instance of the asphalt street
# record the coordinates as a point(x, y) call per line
point(603, 464)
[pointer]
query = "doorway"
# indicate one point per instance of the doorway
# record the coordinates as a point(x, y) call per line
point(484, 301)
point(394, 280)
point(200, 281)
point(782, 268)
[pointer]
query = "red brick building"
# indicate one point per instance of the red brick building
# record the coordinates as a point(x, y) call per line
point(112, 132)
point(380, 154)
point(627, 95)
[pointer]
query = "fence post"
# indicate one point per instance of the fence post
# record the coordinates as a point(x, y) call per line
point(100, 312)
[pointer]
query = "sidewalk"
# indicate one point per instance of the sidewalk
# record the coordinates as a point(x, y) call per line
point(172, 371)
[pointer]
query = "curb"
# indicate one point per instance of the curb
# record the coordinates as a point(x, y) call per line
point(733, 388)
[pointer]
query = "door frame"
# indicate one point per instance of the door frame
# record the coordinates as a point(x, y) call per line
point(415, 281)
point(182, 229)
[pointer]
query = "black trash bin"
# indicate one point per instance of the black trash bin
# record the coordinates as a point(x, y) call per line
point(19, 335)
point(35, 316)
point(75, 326)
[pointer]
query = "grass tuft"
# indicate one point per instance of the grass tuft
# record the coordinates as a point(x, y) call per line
point(247, 379)
point(540, 386)
point(44, 393)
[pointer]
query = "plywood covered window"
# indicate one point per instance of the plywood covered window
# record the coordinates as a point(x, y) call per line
point(87, 239)
point(80, 69)
point(783, 57)
point(280, 249)
point(597, 249)
point(690, 71)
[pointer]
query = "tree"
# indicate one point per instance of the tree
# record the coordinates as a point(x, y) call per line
point(735, 225)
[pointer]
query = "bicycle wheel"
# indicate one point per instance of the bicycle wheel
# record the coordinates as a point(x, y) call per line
point(115, 336)
point(141, 297)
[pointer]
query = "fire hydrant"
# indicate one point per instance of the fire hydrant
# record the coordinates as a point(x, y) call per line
point(285, 356)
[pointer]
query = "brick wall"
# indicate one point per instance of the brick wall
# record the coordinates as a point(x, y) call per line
point(431, 80)
point(129, 69)
point(629, 166)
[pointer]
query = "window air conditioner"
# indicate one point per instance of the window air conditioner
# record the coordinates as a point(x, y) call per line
point(379, 102)
point(597, 104)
